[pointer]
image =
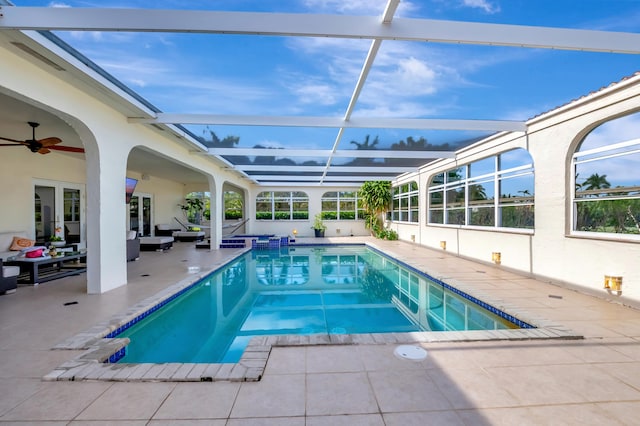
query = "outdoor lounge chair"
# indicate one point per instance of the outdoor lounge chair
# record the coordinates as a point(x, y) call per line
point(188, 235)
point(164, 230)
point(157, 243)
point(191, 231)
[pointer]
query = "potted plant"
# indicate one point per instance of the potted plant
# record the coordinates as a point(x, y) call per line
point(56, 240)
point(376, 197)
point(318, 226)
point(193, 209)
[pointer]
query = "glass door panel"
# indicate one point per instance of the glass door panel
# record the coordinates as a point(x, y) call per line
point(140, 214)
point(58, 209)
point(72, 224)
point(146, 216)
point(45, 212)
point(134, 214)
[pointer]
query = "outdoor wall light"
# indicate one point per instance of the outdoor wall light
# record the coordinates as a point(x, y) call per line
point(613, 283)
point(295, 233)
point(496, 257)
point(413, 238)
point(443, 245)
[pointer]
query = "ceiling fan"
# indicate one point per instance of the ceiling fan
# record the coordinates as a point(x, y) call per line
point(42, 146)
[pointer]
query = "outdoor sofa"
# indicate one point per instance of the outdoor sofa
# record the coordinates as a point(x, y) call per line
point(9, 274)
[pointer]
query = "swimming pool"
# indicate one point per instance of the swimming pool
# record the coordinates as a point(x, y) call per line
point(301, 290)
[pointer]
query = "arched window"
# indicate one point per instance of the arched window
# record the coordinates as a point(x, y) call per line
point(606, 182)
point(405, 203)
point(495, 191)
point(282, 205)
point(342, 205)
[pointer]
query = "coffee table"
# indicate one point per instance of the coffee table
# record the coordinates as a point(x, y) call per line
point(42, 269)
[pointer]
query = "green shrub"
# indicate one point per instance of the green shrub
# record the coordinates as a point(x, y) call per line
point(329, 215)
point(282, 216)
point(233, 214)
point(347, 215)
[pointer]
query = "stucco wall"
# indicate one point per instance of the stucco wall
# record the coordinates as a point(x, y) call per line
point(581, 261)
point(550, 251)
point(19, 168)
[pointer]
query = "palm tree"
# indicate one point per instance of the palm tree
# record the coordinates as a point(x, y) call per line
point(477, 192)
point(595, 181)
point(365, 144)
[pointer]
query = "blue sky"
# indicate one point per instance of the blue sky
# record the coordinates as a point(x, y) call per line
point(311, 76)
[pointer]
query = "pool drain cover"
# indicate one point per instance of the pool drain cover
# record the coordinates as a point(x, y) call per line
point(413, 353)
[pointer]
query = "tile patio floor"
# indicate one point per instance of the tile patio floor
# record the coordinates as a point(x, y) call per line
point(593, 381)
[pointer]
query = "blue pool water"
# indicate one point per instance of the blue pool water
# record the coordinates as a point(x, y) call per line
point(300, 290)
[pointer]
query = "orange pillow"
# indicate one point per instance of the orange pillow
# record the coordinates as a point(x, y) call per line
point(20, 243)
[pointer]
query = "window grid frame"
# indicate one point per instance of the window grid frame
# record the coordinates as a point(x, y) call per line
point(271, 199)
point(338, 199)
point(402, 214)
point(497, 177)
point(601, 154)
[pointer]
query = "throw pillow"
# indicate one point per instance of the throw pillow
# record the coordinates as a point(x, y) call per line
point(20, 243)
point(34, 253)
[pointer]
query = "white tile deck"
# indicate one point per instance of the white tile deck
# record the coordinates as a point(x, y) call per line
point(595, 380)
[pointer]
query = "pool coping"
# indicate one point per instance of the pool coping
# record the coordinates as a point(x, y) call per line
point(93, 363)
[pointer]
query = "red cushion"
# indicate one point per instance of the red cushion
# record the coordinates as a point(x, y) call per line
point(34, 253)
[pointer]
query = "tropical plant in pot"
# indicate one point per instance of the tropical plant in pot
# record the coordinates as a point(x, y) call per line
point(318, 226)
point(193, 209)
point(56, 240)
point(376, 197)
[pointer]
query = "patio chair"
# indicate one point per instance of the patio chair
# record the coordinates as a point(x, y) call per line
point(8, 278)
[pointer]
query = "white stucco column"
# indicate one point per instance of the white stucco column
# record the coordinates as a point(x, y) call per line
point(106, 216)
point(217, 211)
point(249, 212)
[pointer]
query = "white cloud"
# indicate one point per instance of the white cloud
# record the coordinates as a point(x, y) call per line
point(414, 74)
point(357, 7)
point(410, 78)
point(618, 170)
point(323, 94)
point(619, 130)
point(396, 108)
point(87, 35)
point(485, 5)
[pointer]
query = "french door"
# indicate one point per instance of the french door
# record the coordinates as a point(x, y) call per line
point(59, 209)
point(140, 208)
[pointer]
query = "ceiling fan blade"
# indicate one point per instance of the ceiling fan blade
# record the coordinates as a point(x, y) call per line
point(13, 144)
point(67, 148)
point(49, 141)
point(11, 140)
point(43, 151)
